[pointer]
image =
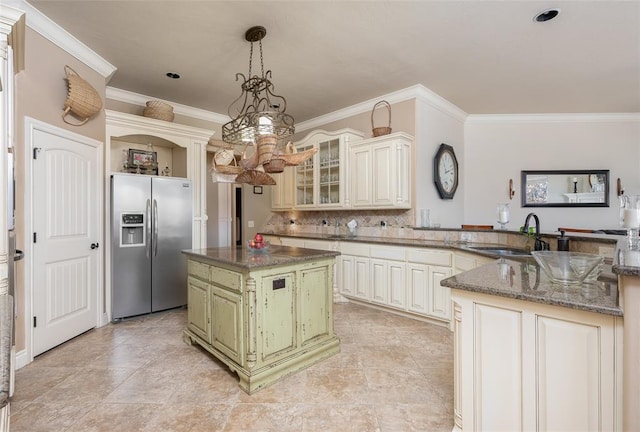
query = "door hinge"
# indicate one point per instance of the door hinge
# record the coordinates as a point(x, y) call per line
point(35, 237)
point(36, 150)
point(35, 322)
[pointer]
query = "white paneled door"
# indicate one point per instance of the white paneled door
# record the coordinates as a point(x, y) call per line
point(66, 249)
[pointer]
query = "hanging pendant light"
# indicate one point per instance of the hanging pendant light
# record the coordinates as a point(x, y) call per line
point(258, 111)
point(259, 123)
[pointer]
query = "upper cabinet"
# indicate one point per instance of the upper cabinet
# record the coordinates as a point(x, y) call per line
point(282, 192)
point(380, 172)
point(322, 182)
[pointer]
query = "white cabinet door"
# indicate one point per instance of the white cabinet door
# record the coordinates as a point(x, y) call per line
point(523, 366)
point(282, 192)
point(380, 172)
point(346, 274)
point(379, 281)
point(362, 288)
point(322, 181)
point(361, 172)
point(388, 283)
point(384, 174)
point(397, 285)
point(418, 285)
point(439, 304)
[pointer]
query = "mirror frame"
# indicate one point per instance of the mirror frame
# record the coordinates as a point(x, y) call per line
point(523, 189)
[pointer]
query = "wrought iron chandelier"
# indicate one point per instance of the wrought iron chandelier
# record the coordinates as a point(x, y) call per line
point(259, 121)
point(258, 111)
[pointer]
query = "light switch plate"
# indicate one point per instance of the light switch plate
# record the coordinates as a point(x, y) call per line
point(251, 224)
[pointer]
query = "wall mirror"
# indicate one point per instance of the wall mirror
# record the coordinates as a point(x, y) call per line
point(570, 188)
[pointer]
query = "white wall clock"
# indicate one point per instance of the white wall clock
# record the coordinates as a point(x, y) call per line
point(445, 171)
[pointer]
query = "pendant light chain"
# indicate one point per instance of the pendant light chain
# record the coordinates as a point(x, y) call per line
point(250, 58)
point(261, 60)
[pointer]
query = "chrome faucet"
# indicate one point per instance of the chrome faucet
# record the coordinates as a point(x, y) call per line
point(539, 243)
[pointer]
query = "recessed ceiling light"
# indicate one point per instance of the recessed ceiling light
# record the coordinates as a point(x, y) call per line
point(173, 75)
point(546, 15)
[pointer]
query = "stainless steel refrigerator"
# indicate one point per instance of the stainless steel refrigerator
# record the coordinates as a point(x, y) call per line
point(151, 220)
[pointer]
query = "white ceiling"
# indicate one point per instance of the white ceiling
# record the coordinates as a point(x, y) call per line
point(487, 57)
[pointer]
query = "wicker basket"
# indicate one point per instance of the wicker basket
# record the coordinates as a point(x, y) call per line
point(292, 157)
point(266, 146)
point(159, 105)
point(227, 169)
point(83, 101)
point(223, 157)
point(256, 178)
point(379, 131)
point(158, 114)
point(275, 165)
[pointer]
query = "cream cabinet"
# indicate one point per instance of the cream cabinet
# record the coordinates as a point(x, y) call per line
point(387, 272)
point(464, 261)
point(380, 172)
point(527, 366)
point(405, 279)
point(282, 192)
point(322, 182)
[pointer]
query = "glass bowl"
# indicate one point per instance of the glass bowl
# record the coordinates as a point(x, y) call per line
point(568, 268)
point(253, 248)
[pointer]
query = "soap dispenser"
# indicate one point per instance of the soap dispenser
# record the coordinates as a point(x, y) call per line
point(563, 242)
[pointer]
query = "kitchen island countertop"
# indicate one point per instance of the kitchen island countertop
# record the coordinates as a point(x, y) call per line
point(273, 257)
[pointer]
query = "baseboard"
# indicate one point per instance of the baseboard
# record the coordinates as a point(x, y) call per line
point(22, 359)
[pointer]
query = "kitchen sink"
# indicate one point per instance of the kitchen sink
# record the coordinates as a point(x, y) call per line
point(501, 250)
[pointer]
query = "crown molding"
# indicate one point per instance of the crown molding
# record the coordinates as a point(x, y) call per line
point(151, 126)
point(417, 91)
point(554, 118)
point(141, 100)
point(57, 35)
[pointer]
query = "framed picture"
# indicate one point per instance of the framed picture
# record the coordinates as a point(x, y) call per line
point(257, 190)
point(145, 160)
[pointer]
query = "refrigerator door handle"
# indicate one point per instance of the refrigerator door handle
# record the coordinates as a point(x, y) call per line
point(155, 228)
point(147, 228)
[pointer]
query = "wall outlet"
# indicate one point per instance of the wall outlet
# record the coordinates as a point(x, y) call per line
point(251, 224)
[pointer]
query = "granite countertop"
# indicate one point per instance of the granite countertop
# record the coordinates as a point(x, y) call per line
point(518, 277)
point(524, 280)
point(463, 246)
point(244, 259)
point(6, 332)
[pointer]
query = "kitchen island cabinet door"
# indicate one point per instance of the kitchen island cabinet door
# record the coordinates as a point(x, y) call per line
point(226, 323)
point(315, 303)
point(278, 317)
point(198, 319)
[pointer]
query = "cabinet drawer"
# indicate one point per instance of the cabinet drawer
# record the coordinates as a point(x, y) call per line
point(425, 256)
point(319, 244)
point(464, 263)
point(226, 278)
point(388, 252)
point(356, 249)
point(198, 270)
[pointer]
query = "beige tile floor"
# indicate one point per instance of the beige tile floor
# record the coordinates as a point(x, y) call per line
point(392, 374)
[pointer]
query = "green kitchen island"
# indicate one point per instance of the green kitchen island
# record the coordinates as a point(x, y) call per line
point(265, 315)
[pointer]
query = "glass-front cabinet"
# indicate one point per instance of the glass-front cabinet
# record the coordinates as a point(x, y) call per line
point(321, 182)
